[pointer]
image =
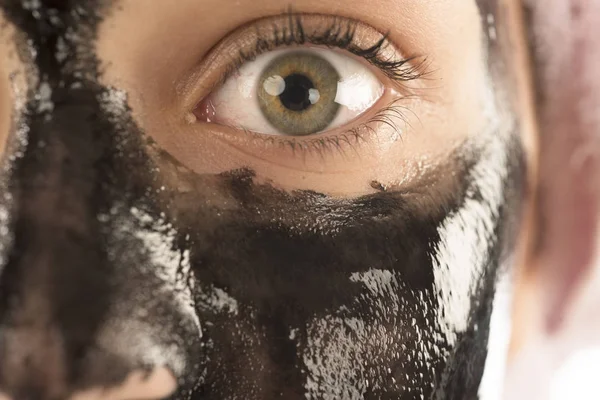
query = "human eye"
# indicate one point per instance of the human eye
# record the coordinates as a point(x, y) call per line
point(295, 92)
point(306, 85)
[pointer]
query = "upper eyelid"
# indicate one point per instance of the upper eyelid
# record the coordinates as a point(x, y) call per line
point(340, 33)
point(314, 26)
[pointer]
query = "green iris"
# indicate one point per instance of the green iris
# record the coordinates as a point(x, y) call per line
point(297, 93)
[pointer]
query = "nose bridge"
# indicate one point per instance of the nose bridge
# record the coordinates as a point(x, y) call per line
point(54, 287)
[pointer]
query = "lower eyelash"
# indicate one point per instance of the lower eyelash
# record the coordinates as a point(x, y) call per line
point(393, 116)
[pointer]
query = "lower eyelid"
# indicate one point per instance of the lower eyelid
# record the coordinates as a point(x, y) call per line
point(384, 122)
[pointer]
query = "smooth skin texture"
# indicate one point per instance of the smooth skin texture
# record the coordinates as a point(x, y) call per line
point(140, 239)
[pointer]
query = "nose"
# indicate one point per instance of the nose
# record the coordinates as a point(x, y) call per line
point(55, 290)
point(138, 386)
point(85, 310)
point(67, 330)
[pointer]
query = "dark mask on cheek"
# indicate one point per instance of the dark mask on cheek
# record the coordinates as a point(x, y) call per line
point(116, 257)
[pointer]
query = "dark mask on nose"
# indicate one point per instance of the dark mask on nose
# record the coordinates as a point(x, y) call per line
point(116, 257)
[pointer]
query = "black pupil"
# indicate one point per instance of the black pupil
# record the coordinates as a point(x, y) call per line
point(296, 94)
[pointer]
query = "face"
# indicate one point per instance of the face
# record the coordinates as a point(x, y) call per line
point(219, 201)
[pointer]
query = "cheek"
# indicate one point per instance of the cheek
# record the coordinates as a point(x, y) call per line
point(242, 288)
point(329, 314)
point(365, 296)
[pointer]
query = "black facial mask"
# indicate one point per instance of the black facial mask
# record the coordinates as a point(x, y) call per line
point(116, 257)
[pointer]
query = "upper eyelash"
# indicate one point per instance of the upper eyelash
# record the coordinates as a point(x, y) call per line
point(340, 34)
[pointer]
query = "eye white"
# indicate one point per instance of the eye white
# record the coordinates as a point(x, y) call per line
point(236, 102)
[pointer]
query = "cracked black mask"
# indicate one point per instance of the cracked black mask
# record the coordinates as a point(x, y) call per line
point(118, 257)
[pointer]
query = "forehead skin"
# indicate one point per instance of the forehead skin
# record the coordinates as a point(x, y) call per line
point(241, 289)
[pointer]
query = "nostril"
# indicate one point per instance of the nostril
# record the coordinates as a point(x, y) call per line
point(139, 385)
